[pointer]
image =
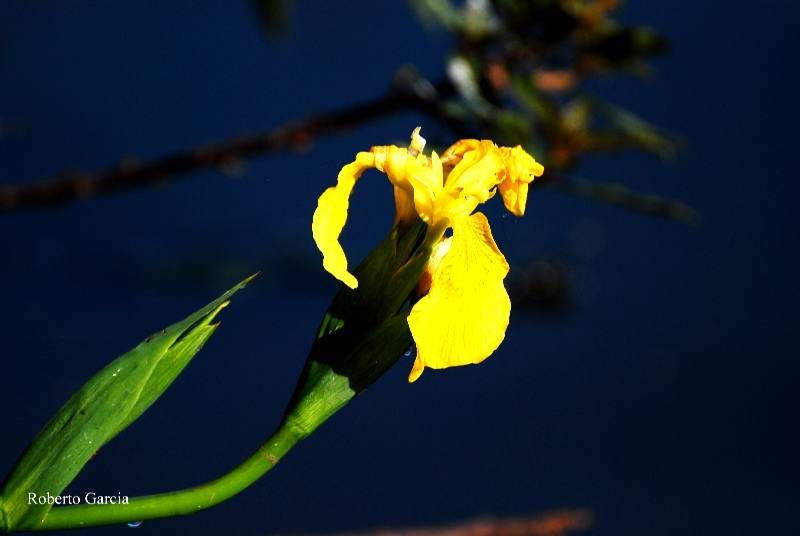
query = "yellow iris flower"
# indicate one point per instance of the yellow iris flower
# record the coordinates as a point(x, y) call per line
point(464, 312)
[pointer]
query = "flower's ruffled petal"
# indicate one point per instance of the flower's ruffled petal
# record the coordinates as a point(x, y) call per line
point(426, 179)
point(520, 169)
point(464, 317)
point(392, 161)
point(331, 215)
point(452, 155)
point(477, 173)
point(515, 196)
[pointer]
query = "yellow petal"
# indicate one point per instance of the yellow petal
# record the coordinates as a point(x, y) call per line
point(426, 179)
point(438, 253)
point(416, 370)
point(477, 172)
point(453, 154)
point(405, 212)
point(464, 317)
point(417, 144)
point(391, 160)
point(394, 162)
point(331, 215)
point(515, 196)
point(520, 169)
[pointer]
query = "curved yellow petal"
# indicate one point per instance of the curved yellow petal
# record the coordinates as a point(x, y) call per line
point(515, 196)
point(520, 169)
point(463, 319)
point(391, 160)
point(417, 144)
point(477, 173)
point(426, 178)
point(438, 253)
point(452, 155)
point(416, 370)
point(395, 162)
point(405, 212)
point(331, 215)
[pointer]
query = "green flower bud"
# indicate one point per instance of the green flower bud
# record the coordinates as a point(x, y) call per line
point(364, 332)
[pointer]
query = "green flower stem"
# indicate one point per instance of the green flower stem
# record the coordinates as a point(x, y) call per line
point(176, 503)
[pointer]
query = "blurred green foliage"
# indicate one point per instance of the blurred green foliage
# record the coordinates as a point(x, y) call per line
point(520, 70)
point(273, 15)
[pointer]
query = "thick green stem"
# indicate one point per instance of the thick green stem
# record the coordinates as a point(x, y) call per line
point(175, 503)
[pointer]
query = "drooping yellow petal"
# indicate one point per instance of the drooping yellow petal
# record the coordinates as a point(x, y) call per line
point(519, 171)
point(416, 370)
point(331, 215)
point(515, 196)
point(463, 319)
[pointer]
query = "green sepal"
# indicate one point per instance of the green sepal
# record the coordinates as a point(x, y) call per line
point(365, 330)
point(106, 404)
point(386, 278)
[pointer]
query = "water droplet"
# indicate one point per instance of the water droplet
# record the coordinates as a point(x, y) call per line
point(134, 524)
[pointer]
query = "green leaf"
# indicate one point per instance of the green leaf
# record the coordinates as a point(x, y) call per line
point(440, 12)
point(107, 404)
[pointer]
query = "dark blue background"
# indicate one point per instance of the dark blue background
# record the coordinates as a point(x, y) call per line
point(665, 401)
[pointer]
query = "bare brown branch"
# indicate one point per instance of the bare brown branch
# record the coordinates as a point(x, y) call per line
point(126, 175)
point(409, 94)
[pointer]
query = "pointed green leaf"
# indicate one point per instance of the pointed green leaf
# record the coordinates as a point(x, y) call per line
point(107, 404)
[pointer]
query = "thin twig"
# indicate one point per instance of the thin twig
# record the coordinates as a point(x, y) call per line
point(409, 93)
point(622, 196)
point(68, 187)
